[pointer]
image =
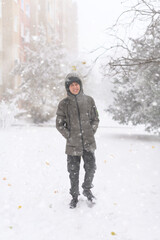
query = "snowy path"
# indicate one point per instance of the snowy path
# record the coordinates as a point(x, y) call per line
point(34, 187)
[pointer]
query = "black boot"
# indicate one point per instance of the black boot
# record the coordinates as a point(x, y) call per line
point(87, 193)
point(73, 202)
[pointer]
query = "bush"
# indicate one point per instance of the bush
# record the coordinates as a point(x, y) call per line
point(7, 114)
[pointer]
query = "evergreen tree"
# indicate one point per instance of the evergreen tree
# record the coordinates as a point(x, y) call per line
point(42, 76)
point(137, 82)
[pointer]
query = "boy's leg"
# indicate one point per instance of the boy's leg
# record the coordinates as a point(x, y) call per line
point(90, 167)
point(73, 165)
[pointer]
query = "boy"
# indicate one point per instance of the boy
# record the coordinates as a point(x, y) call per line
point(77, 120)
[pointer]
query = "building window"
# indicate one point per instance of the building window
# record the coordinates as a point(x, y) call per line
point(16, 82)
point(22, 4)
point(0, 8)
point(0, 77)
point(22, 30)
point(16, 61)
point(28, 10)
point(27, 35)
point(48, 7)
point(0, 40)
point(16, 24)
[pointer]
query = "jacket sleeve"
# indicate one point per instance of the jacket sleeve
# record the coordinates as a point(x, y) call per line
point(94, 116)
point(61, 120)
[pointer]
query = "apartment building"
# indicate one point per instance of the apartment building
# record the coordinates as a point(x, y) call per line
point(20, 19)
point(65, 24)
point(14, 29)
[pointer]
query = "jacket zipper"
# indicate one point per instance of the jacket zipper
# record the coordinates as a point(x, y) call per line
point(80, 122)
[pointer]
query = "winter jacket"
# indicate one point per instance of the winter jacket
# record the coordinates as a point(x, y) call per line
point(77, 120)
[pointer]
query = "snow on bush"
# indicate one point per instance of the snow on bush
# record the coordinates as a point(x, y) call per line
point(7, 114)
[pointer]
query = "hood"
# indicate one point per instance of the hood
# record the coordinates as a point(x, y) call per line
point(69, 79)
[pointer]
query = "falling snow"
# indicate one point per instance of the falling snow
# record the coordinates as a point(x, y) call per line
point(34, 186)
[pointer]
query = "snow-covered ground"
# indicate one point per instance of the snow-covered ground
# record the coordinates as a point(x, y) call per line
point(34, 186)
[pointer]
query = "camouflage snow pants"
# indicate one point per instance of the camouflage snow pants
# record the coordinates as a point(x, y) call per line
point(73, 165)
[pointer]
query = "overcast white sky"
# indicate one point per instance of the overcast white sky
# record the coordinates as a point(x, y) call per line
point(94, 16)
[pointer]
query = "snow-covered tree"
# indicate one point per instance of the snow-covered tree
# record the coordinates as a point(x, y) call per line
point(8, 112)
point(42, 77)
point(137, 74)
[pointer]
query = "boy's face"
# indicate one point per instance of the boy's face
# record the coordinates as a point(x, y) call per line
point(74, 88)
